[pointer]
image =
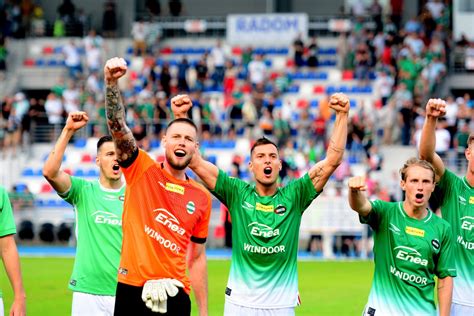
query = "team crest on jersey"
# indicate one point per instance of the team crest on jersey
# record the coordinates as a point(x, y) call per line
point(122, 198)
point(190, 207)
point(414, 231)
point(176, 188)
point(264, 208)
point(280, 210)
point(435, 244)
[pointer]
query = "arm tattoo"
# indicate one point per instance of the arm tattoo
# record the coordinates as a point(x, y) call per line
point(123, 137)
point(316, 177)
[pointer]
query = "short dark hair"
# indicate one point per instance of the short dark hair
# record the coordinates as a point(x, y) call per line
point(262, 141)
point(182, 120)
point(416, 162)
point(104, 139)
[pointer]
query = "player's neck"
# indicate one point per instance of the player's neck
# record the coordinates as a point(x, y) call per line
point(418, 212)
point(470, 176)
point(263, 190)
point(113, 184)
point(177, 174)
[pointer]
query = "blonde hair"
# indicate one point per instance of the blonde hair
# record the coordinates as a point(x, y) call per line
point(470, 140)
point(416, 162)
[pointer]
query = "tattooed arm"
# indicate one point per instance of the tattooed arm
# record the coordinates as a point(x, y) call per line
point(321, 171)
point(125, 143)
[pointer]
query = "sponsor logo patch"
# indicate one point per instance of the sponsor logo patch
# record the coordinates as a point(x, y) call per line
point(176, 188)
point(228, 291)
point(414, 231)
point(73, 282)
point(461, 200)
point(102, 217)
point(467, 223)
point(471, 200)
point(371, 311)
point(264, 208)
point(435, 244)
point(122, 198)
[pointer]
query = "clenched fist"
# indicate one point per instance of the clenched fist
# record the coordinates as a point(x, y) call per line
point(114, 69)
point(76, 120)
point(357, 184)
point(339, 102)
point(180, 105)
point(436, 108)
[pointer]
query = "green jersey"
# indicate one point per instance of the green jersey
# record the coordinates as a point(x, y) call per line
point(408, 253)
point(457, 208)
point(7, 223)
point(265, 232)
point(99, 236)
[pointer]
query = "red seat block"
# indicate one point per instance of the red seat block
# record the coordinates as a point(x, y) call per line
point(318, 89)
point(347, 75)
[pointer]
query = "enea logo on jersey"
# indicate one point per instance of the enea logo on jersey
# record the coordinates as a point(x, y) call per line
point(102, 217)
point(409, 254)
point(280, 210)
point(167, 219)
point(467, 223)
point(262, 230)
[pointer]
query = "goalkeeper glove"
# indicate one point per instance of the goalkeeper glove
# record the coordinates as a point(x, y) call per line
point(155, 293)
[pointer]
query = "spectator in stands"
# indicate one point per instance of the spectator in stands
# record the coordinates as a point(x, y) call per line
point(3, 56)
point(71, 98)
point(54, 109)
point(153, 7)
point(94, 277)
point(9, 255)
point(383, 86)
point(218, 57)
point(175, 7)
point(12, 128)
point(257, 70)
point(183, 67)
point(165, 79)
point(72, 59)
point(406, 121)
point(396, 12)
point(109, 20)
point(66, 11)
point(201, 73)
point(138, 36)
point(451, 117)
point(298, 47)
point(312, 60)
point(362, 63)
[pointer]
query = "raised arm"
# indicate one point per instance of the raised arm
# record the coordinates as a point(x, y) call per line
point(11, 261)
point(322, 170)
point(125, 143)
point(205, 170)
point(59, 179)
point(445, 292)
point(197, 265)
point(435, 108)
point(357, 199)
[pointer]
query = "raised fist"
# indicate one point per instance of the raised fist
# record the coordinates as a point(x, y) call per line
point(436, 108)
point(180, 105)
point(76, 120)
point(357, 184)
point(339, 102)
point(114, 69)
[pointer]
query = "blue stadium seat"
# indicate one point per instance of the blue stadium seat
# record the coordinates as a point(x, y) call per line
point(79, 173)
point(58, 50)
point(129, 50)
point(331, 89)
point(268, 62)
point(293, 89)
point(40, 62)
point(212, 159)
point(353, 103)
point(92, 173)
point(80, 143)
point(314, 103)
point(155, 143)
point(278, 103)
point(28, 172)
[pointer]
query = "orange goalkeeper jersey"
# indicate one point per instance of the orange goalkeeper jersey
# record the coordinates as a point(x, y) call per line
point(161, 216)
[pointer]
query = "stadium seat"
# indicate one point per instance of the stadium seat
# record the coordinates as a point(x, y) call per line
point(64, 232)
point(86, 158)
point(26, 231)
point(46, 188)
point(314, 104)
point(28, 172)
point(318, 89)
point(48, 50)
point(347, 75)
point(58, 50)
point(28, 62)
point(80, 143)
point(79, 173)
point(237, 50)
point(166, 50)
point(92, 173)
point(212, 159)
point(46, 232)
point(154, 143)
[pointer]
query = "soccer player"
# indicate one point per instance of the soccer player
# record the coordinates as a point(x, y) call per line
point(411, 246)
point(266, 219)
point(9, 255)
point(98, 206)
point(166, 215)
point(457, 207)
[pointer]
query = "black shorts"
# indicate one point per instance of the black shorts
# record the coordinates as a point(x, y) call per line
point(128, 301)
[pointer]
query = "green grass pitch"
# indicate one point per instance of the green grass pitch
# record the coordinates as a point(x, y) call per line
point(326, 287)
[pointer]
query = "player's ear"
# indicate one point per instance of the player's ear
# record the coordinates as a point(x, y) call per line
point(402, 185)
point(97, 161)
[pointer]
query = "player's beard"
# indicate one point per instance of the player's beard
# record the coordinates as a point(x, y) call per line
point(177, 165)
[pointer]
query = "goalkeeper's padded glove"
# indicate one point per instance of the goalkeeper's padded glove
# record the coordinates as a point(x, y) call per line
point(155, 293)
